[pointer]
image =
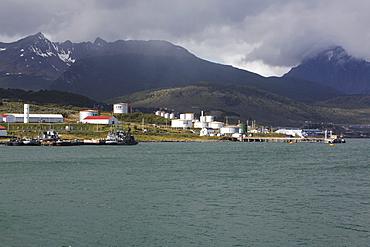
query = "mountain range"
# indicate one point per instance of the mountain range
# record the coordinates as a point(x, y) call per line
point(103, 71)
point(34, 62)
point(335, 68)
point(125, 67)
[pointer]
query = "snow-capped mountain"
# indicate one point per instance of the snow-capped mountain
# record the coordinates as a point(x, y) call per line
point(37, 57)
point(335, 68)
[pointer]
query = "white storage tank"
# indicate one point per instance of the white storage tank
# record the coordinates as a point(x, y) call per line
point(172, 116)
point(121, 108)
point(189, 116)
point(229, 130)
point(200, 125)
point(88, 113)
point(210, 118)
point(216, 125)
point(181, 123)
point(167, 115)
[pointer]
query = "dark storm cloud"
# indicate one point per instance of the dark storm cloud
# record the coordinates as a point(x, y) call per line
point(267, 36)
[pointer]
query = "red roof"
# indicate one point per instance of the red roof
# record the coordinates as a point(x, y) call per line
point(2, 128)
point(98, 117)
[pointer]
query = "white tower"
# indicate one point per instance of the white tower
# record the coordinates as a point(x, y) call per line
point(26, 116)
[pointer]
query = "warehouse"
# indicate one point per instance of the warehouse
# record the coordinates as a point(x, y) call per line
point(38, 118)
point(100, 120)
point(8, 118)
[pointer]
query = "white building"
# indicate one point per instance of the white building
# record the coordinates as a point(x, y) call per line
point(181, 123)
point(100, 120)
point(207, 132)
point(37, 118)
point(3, 131)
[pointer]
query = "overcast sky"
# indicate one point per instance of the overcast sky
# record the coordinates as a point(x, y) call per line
point(264, 36)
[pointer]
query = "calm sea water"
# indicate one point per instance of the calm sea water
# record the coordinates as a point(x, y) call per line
point(186, 194)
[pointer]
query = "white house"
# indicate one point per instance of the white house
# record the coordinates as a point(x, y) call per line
point(3, 131)
point(207, 132)
point(100, 120)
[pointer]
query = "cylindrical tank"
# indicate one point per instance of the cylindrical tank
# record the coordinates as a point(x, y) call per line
point(189, 116)
point(26, 117)
point(172, 116)
point(243, 128)
point(121, 108)
point(166, 115)
point(200, 125)
point(209, 118)
point(216, 125)
point(229, 130)
point(88, 113)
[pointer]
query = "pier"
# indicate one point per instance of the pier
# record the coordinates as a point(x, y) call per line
point(291, 140)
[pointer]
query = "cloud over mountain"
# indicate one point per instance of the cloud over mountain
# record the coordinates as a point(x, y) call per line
point(267, 37)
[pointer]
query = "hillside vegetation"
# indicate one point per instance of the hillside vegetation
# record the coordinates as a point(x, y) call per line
point(46, 97)
point(243, 103)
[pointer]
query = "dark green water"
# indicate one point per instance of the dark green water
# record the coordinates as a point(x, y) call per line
point(186, 194)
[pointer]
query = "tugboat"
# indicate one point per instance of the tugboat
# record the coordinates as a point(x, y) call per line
point(52, 138)
point(120, 137)
point(15, 141)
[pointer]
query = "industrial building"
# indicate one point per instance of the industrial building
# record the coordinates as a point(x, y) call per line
point(26, 117)
point(100, 120)
point(37, 118)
